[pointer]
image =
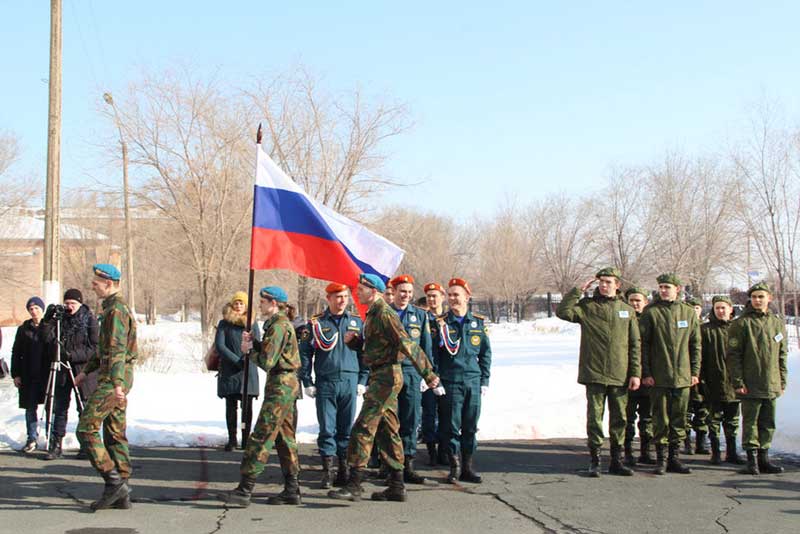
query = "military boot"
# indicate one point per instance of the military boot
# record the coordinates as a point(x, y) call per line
point(687, 445)
point(409, 475)
point(431, 454)
point(240, 496)
point(629, 459)
point(661, 461)
point(716, 455)
point(123, 504)
point(327, 465)
point(115, 489)
point(290, 493)
point(343, 473)
point(765, 466)
point(674, 464)
point(396, 490)
point(468, 473)
point(82, 454)
point(645, 457)
point(731, 455)
point(455, 469)
point(54, 451)
point(594, 462)
point(352, 490)
point(752, 464)
point(616, 467)
point(700, 443)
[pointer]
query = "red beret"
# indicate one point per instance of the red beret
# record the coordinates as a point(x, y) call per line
point(401, 279)
point(460, 282)
point(433, 286)
point(333, 287)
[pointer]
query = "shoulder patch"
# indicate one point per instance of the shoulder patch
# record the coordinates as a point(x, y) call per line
point(479, 316)
point(318, 315)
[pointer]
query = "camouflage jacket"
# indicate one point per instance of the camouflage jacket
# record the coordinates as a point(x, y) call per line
point(278, 351)
point(116, 347)
point(387, 343)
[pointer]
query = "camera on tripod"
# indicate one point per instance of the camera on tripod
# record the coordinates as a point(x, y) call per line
point(55, 312)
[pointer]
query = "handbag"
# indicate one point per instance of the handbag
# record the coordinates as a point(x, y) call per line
point(212, 358)
point(3, 368)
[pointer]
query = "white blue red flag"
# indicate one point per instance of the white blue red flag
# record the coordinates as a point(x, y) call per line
point(293, 231)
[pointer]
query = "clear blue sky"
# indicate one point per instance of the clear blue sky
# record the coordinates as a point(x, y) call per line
point(522, 98)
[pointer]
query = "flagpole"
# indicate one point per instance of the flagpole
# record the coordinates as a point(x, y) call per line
point(246, 405)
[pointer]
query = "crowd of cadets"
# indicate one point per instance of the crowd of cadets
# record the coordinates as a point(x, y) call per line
point(658, 362)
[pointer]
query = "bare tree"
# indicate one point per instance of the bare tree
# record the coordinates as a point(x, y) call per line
point(15, 191)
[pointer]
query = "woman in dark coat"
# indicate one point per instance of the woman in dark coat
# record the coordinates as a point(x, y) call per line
point(230, 379)
point(30, 367)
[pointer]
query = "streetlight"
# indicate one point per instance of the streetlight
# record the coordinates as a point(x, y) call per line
point(128, 234)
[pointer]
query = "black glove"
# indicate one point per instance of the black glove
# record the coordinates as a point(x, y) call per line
point(50, 313)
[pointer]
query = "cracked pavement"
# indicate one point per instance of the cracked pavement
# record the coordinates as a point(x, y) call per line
point(529, 486)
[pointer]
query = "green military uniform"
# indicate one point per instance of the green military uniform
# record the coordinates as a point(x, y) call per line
point(609, 356)
point(116, 352)
point(697, 410)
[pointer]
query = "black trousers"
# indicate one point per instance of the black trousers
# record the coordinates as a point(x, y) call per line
point(231, 419)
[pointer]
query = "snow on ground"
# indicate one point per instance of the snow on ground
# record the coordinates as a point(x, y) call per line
point(533, 391)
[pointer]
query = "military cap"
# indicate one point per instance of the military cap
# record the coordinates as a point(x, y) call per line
point(460, 282)
point(372, 280)
point(240, 296)
point(433, 286)
point(694, 301)
point(637, 290)
point(761, 286)
point(401, 279)
point(669, 278)
point(106, 271)
point(609, 271)
point(275, 293)
point(335, 287)
point(721, 298)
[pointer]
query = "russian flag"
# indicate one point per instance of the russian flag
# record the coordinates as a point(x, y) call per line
point(295, 232)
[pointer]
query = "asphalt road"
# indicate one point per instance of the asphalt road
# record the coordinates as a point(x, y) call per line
point(529, 486)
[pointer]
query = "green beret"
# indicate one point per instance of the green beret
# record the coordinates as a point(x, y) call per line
point(640, 290)
point(721, 298)
point(694, 301)
point(669, 278)
point(609, 271)
point(761, 286)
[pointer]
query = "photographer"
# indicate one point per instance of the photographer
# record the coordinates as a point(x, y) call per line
point(79, 335)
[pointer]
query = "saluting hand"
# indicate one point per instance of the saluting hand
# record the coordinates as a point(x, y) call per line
point(587, 285)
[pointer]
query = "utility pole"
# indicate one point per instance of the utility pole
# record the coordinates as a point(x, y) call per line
point(127, 214)
point(52, 253)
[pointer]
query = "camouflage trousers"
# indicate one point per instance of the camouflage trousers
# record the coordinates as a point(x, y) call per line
point(103, 410)
point(275, 426)
point(378, 422)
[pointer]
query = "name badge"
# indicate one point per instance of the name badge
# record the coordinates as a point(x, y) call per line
point(683, 324)
point(779, 337)
point(623, 314)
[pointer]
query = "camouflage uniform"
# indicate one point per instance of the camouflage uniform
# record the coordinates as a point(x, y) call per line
point(116, 352)
point(278, 355)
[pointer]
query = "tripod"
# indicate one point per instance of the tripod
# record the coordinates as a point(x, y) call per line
point(56, 365)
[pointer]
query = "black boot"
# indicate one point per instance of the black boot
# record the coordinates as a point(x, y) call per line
point(432, 454)
point(731, 454)
point(123, 504)
point(54, 451)
point(240, 496)
point(116, 488)
point(629, 459)
point(409, 475)
point(661, 461)
point(245, 437)
point(616, 467)
point(687, 445)
point(352, 490)
point(645, 457)
point(396, 490)
point(594, 462)
point(700, 443)
point(327, 464)
point(291, 490)
point(716, 455)
point(374, 459)
point(765, 466)
point(455, 469)
point(674, 464)
point(442, 454)
point(752, 464)
point(343, 473)
point(468, 473)
point(82, 454)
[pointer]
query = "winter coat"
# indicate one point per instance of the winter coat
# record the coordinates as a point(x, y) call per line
point(79, 335)
point(610, 344)
point(714, 376)
point(29, 362)
point(670, 344)
point(757, 350)
point(228, 342)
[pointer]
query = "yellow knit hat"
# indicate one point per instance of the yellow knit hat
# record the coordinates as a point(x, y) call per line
point(239, 295)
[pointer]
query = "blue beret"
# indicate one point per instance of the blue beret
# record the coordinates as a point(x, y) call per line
point(107, 271)
point(372, 280)
point(274, 292)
